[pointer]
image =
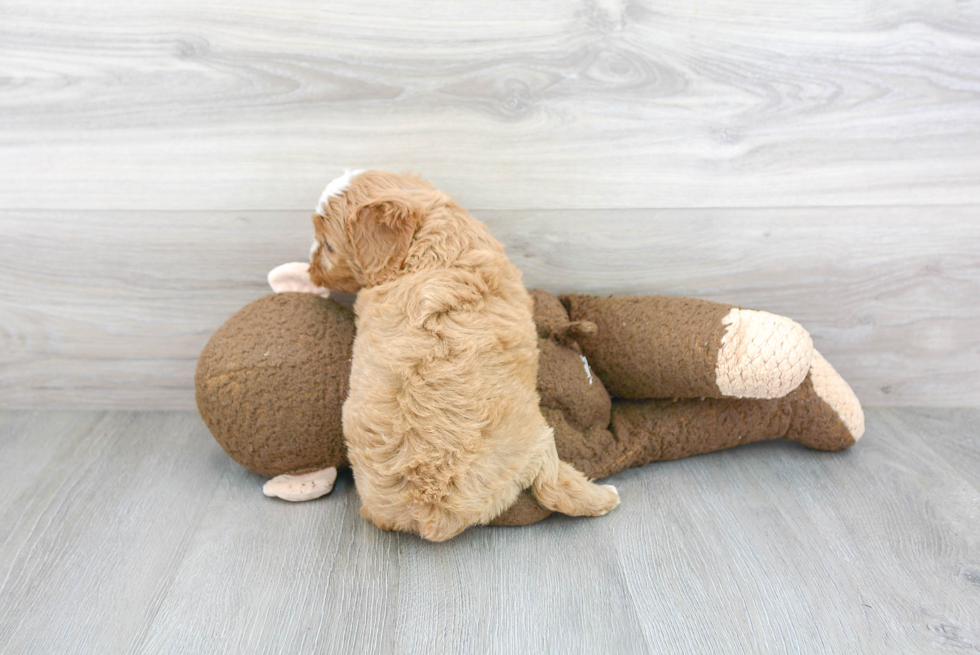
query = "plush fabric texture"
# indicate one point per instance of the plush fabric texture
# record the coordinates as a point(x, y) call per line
point(646, 431)
point(272, 380)
point(816, 424)
point(652, 346)
point(267, 417)
point(550, 316)
point(639, 432)
point(836, 393)
point(661, 430)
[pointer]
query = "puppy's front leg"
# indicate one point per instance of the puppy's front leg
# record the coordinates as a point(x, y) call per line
point(295, 276)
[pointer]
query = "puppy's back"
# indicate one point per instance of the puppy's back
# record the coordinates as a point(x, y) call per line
point(443, 396)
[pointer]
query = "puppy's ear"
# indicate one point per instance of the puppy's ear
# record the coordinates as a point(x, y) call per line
point(380, 234)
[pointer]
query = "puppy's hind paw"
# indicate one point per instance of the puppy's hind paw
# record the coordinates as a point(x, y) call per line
point(610, 499)
point(573, 494)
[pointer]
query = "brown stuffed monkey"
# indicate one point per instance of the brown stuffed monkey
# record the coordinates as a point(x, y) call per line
point(624, 381)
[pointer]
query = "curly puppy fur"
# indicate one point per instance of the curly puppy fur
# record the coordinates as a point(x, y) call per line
point(442, 422)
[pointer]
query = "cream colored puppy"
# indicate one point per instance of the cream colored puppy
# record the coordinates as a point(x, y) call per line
point(442, 422)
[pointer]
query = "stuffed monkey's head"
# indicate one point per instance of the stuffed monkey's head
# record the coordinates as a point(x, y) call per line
point(365, 223)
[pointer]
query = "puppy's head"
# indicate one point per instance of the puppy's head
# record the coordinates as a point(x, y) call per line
point(364, 224)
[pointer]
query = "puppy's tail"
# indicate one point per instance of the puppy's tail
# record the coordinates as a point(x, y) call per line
point(562, 488)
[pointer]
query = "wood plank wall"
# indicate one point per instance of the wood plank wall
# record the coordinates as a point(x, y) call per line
point(817, 160)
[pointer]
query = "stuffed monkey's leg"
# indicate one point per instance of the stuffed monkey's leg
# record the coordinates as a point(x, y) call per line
point(822, 413)
point(667, 347)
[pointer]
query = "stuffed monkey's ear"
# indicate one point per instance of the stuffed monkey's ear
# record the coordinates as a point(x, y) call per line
point(380, 234)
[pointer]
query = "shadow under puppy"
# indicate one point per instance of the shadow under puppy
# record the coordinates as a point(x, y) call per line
point(442, 421)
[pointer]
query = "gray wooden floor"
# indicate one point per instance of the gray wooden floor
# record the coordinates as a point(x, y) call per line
point(133, 532)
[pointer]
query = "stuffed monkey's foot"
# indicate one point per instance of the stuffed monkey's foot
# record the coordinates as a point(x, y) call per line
point(297, 488)
point(826, 413)
point(294, 276)
point(761, 355)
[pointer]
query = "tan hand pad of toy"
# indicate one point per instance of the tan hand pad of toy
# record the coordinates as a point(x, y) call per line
point(295, 276)
point(272, 380)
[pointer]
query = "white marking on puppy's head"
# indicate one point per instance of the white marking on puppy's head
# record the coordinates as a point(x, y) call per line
point(317, 252)
point(336, 187)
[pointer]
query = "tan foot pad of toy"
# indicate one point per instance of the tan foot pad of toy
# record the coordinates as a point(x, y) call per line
point(826, 413)
point(297, 488)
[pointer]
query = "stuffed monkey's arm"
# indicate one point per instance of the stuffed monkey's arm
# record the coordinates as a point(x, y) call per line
point(668, 347)
point(295, 276)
